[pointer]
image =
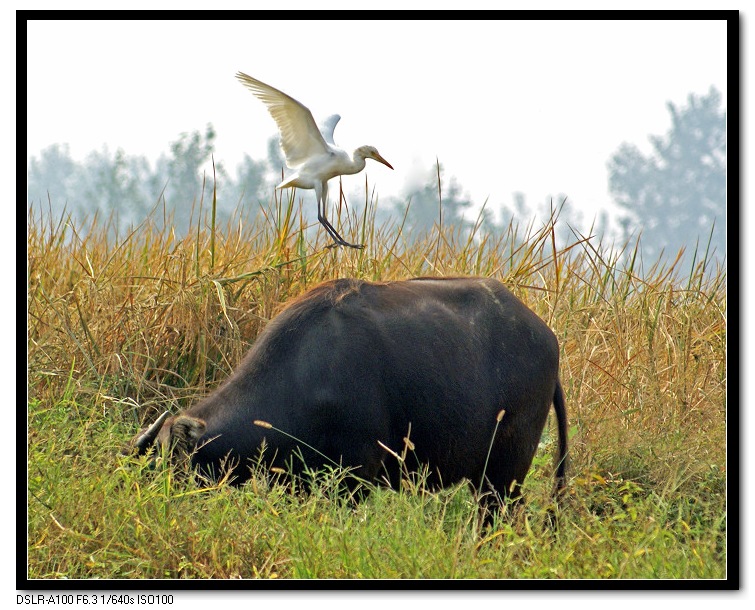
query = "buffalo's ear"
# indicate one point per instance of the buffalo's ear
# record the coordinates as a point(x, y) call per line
point(186, 432)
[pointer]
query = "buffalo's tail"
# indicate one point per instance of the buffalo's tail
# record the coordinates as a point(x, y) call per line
point(559, 405)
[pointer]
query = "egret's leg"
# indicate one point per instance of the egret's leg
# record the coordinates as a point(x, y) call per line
point(322, 197)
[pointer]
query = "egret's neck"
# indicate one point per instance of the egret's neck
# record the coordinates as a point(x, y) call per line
point(357, 162)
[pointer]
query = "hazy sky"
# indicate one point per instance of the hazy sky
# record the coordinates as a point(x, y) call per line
point(530, 106)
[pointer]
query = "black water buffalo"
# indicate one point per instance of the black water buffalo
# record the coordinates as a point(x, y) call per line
point(352, 367)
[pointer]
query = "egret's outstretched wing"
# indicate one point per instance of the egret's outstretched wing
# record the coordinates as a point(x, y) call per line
point(328, 127)
point(300, 138)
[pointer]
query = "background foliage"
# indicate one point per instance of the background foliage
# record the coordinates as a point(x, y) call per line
point(672, 198)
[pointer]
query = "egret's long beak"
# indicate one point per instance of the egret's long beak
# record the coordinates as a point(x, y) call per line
point(377, 157)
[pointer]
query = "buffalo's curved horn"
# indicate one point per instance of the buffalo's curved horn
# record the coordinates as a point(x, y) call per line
point(146, 439)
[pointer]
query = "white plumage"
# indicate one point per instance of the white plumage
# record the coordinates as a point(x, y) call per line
point(310, 152)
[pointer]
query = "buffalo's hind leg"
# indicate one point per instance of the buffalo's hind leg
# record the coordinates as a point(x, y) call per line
point(504, 501)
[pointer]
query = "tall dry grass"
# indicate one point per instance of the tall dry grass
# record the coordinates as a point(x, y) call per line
point(120, 329)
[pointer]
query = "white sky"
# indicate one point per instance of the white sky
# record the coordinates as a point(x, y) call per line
point(530, 106)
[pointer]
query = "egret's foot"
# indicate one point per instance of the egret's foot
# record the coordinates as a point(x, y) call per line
point(339, 241)
point(346, 244)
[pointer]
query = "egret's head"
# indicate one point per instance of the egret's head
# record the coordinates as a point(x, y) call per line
point(370, 152)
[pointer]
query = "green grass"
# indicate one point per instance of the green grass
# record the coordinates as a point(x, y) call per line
point(121, 330)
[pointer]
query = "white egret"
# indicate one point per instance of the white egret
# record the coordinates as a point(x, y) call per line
point(311, 153)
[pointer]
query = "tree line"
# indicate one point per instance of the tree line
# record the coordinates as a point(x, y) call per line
point(673, 197)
